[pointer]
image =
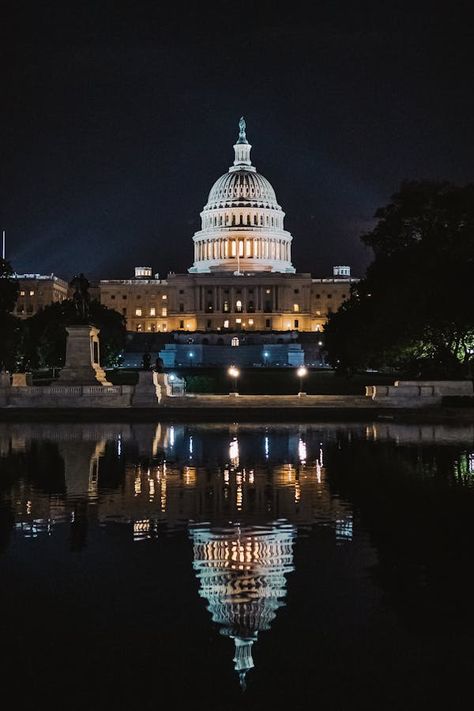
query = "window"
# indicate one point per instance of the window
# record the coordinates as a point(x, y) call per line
point(164, 311)
point(181, 307)
point(112, 297)
point(267, 291)
point(296, 323)
point(124, 296)
point(296, 308)
point(209, 291)
point(22, 293)
point(138, 312)
point(234, 341)
point(296, 291)
point(209, 323)
point(238, 306)
point(329, 296)
point(318, 313)
point(268, 323)
point(226, 323)
point(152, 311)
point(181, 324)
point(181, 291)
point(139, 327)
point(318, 296)
point(124, 311)
point(210, 307)
point(250, 321)
point(238, 320)
point(138, 296)
point(163, 296)
point(32, 293)
point(153, 327)
point(225, 307)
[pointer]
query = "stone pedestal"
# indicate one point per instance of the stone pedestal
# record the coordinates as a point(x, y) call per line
point(147, 392)
point(82, 358)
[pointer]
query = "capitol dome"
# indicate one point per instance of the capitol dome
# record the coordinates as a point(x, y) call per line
point(242, 223)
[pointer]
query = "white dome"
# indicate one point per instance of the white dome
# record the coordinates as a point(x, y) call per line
point(242, 187)
point(242, 225)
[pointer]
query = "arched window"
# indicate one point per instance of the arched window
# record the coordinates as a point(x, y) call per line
point(234, 341)
point(233, 219)
point(238, 306)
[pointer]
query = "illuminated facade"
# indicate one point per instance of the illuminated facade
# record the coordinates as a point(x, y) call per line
point(37, 291)
point(242, 277)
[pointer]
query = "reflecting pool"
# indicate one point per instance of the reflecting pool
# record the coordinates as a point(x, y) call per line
point(237, 566)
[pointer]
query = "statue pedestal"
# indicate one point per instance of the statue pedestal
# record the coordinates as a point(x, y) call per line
point(82, 358)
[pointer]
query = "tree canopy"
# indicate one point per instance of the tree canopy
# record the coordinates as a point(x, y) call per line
point(415, 307)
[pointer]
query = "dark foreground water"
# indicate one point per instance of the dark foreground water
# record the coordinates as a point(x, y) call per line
point(234, 566)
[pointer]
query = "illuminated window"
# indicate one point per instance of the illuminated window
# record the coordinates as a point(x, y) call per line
point(232, 245)
point(164, 311)
point(238, 306)
point(241, 248)
point(267, 291)
point(226, 306)
point(234, 341)
point(238, 320)
point(226, 323)
point(152, 311)
point(139, 327)
point(296, 308)
point(138, 312)
point(32, 293)
point(318, 313)
point(22, 293)
point(163, 296)
point(250, 321)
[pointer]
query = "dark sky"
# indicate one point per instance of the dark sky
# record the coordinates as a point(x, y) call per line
point(117, 118)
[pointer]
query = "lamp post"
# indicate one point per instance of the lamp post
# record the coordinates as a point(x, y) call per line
point(234, 373)
point(301, 373)
point(266, 355)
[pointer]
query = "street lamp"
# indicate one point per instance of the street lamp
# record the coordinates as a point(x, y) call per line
point(234, 373)
point(266, 356)
point(302, 372)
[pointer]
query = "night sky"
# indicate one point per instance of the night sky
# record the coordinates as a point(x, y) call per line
point(117, 119)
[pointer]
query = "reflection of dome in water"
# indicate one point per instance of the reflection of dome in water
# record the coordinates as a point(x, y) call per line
point(241, 572)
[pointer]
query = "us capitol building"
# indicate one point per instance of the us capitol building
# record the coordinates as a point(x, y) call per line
point(242, 280)
point(242, 277)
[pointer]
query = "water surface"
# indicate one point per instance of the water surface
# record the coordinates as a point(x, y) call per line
point(236, 566)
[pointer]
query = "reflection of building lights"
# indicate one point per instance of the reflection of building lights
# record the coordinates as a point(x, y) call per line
point(251, 477)
point(267, 447)
point(151, 485)
point(302, 451)
point(141, 529)
point(234, 452)
point(138, 484)
point(190, 445)
point(171, 436)
point(226, 476)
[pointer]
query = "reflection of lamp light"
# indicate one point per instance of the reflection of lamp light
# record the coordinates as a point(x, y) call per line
point(234, 452)
point(242, 575)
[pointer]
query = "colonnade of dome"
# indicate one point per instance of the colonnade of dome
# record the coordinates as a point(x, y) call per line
point(242, 225)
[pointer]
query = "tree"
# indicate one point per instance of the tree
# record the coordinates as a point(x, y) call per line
point(9, 325)
point(44, 334)
point(415, 307)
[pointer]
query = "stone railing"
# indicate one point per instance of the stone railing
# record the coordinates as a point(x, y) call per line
point(418, 393)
